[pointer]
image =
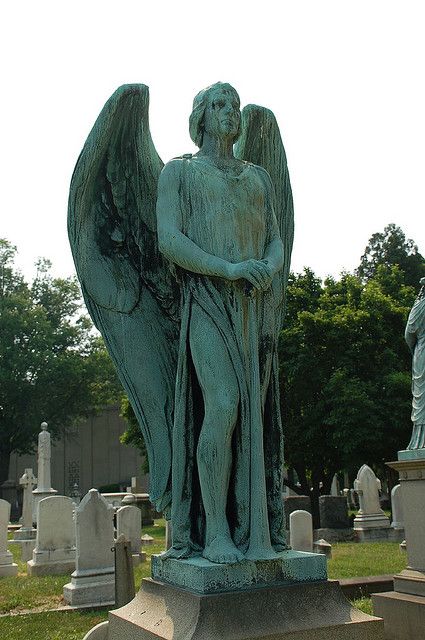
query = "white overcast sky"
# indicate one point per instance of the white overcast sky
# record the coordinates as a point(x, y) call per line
point(345, 80)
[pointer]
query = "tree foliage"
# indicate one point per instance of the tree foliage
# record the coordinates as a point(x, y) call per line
point(345, 374)
point(389, 248)
point(52, 366)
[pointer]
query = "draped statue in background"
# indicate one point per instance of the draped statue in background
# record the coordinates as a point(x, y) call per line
point(184, 274)
point(415, 338)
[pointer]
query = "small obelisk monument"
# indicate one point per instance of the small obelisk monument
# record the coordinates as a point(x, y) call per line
point(44, 454)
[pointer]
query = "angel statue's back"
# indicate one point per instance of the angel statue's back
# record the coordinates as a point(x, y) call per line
point(183, 270)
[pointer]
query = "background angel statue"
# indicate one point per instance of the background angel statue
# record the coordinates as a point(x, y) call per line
point(184, 273)
point(415, 338)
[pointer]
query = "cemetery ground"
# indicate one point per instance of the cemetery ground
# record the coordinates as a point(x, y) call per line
point(27, 603)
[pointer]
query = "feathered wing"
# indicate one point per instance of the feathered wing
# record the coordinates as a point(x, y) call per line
point(127, 286)
point(260, 142)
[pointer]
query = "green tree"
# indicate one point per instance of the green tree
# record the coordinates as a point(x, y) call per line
point(52, 366)
point(345, 375)
point(389, 248)
point(133, 434)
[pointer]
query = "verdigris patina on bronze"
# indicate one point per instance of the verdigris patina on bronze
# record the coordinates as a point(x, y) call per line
point(183, 270)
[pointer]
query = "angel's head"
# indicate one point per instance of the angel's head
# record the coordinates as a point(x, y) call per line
point(216, 109)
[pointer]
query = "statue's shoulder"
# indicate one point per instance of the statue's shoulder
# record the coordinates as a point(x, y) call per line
point(262, 174)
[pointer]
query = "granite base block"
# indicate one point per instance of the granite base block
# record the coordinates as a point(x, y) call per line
point(294, 612)
point(403, 614)
point(57, 568)
point(93, 588)
point(27, 547)
point(24, 534)
point(7, 570)
point(411, 454)
point(202, 576)
point(333, 535)
point(373, 535)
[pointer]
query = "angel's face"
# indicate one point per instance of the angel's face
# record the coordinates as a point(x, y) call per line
point(222, 114)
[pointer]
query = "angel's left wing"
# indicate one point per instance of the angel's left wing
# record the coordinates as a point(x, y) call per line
point(127, 285)
point(260, 142)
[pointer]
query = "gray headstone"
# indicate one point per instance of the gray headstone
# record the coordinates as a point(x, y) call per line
point(333, 512)
point(296, 503)
point(124, 575)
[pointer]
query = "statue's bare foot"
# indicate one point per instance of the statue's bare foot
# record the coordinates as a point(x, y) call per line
point(222, 550)
point(179, 554)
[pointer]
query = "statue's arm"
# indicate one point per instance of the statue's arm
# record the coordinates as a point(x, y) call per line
point(173, 243)
point(410, 338)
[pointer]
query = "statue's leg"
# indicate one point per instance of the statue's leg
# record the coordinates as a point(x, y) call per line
point(220, 391)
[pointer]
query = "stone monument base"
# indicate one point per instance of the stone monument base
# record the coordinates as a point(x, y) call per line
point(403, 613)
point(27, 547)
point(87, 587)
point(7, 566)
point(25, 533)
point(50, 563)
point(293, 612)
point(203, 576)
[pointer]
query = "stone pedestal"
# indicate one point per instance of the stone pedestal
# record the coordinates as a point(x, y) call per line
point(293, 612)
point(404, 609)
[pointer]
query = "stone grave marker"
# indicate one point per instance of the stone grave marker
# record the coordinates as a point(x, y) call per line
point(370, 523)
point(93, 581)
point(301, 530)
point(44, 483)
point(54, 552)
point(129, 525)
point(124, 575)
point(397, 508)
point(7, 566)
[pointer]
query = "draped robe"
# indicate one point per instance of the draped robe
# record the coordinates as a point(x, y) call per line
point(230, 217)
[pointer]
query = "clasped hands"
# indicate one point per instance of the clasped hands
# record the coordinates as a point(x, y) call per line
point(258, 273)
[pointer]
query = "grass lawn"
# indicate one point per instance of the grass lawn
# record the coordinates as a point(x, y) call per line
point(35, 596)
point(350, 559)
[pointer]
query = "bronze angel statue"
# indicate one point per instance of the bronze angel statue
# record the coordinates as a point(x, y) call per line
point(183, 268)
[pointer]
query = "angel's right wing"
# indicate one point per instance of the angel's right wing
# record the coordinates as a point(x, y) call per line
point(261, 143)
point(126, 283)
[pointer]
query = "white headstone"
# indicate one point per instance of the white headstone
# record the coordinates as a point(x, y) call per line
point(54, 552)
point(27, 531)
point(301, 530)
point(93, 581)
point(7, 566)
point(370, 514)
point(129, 524)
point(44, 454)
point(397, 508)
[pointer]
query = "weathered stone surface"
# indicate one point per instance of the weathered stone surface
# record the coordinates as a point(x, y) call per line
point(403, 615)
point(124, 575)
point(296, 503)
point(44, 485)
point(370, 515)
point(397, 508)
point(27, 482)
point(301, 530)
point(129, 525)
point(333, 512)
point(297, 612)
point(203, 576)
point(54, 552)
point(322, 546)
point(7, 566)
point(93, 581)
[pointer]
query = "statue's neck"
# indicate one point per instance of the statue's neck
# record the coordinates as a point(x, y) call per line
point(217, 150)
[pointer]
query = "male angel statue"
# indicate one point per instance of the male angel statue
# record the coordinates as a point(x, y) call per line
point(415, 338)
point(184, 273)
